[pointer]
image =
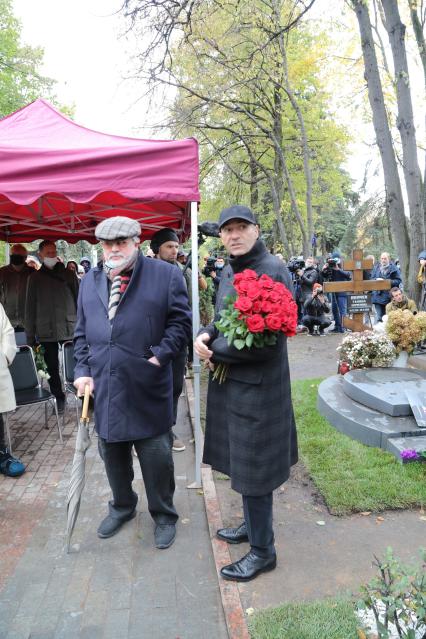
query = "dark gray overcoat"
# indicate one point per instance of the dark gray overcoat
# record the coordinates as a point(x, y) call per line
point(250, 429)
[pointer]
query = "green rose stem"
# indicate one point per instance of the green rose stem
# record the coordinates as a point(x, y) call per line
point(220, 373)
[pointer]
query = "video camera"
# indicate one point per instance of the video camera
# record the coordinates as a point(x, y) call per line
point(331, 264)
point(210, 266)
point(206, 229)
point(294, 264)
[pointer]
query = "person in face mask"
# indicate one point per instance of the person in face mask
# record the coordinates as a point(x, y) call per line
point(50, 312)
point(13, 289)
point(133, 320)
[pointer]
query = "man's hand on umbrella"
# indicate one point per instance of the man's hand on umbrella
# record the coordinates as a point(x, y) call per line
point(80, 384)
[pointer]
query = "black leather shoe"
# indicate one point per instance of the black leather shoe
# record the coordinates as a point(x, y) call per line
point(248, 567)
point(164, 535)
point(233, 535)
point(110, 526)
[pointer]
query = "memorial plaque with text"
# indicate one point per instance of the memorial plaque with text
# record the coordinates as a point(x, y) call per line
point(360, 303)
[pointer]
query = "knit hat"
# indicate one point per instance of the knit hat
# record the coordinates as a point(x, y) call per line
point(162, 236)
point(117, 228)
point(316, 285)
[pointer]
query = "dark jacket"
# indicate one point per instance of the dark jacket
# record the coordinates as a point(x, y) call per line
point(309, 277)
point(13, 292)
point(133, 398)
point(250, 429)
point(314, 307)
point(392, 274)
point(51, 304)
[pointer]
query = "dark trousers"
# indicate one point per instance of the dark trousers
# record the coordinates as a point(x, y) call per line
point(338, 307)
point(51, 350)
point(2, 434)
point(156, 460)
point(258, 518)
point(310, 321)
point(380, 311)
point(178, 371)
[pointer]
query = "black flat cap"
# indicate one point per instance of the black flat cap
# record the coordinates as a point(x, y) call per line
point(236, 212)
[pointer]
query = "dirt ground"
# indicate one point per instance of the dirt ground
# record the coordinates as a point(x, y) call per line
point(318, 559)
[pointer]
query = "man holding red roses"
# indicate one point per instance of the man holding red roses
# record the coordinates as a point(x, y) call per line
point(250, 429)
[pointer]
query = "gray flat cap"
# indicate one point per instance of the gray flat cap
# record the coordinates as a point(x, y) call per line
point(117, 228)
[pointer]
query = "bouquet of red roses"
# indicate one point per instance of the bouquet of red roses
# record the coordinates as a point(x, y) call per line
point(261, 310)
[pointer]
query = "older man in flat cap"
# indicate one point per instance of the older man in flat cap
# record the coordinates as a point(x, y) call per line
point(133, 318)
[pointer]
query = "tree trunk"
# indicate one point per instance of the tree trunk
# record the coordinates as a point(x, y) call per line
point(405, 124)
point(394, 199)
point(303, 143)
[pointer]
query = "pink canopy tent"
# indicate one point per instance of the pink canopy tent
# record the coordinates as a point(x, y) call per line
point(59, 179)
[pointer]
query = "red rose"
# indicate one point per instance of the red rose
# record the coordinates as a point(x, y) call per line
point(243, 304)
point(280, 288)
point(253, 291)
point(274, 296)
point(273, 322)
point(278, 308)
point(255, 323)
point(249, 274)
point(266, 282)
point(257, 306)
point(242, 286)
point(266, 307)
point(238, 278)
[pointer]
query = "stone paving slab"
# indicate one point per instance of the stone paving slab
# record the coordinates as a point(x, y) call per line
point(114, 588)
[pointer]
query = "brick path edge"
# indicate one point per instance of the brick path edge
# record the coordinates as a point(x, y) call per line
point(230, 596)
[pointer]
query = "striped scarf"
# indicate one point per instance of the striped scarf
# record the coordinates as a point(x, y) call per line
point(118, 286)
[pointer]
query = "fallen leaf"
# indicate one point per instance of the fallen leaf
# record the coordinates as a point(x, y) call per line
point(380, 519)
point(321, 523)
point(361, 634)
point(423, 518)
point(200, 492)
point(365, 513)
point(184, 521)
point(249, 611)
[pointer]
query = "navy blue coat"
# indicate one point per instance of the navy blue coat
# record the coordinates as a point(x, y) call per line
point(384, 297)
point(133, 398)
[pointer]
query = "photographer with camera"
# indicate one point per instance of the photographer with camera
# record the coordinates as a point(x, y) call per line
point(332, 272)
point(296, 266)
point(213, 268)
point(309, 276)
point(314, 311)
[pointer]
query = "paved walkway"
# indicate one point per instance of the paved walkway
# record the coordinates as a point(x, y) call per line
point(115, 588)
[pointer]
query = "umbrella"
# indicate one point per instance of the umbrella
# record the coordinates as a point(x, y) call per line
point(78, 471)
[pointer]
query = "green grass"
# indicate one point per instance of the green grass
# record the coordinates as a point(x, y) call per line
point(350, 476)
point(329, 619)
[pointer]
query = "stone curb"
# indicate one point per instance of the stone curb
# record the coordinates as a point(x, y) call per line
point(230, 595)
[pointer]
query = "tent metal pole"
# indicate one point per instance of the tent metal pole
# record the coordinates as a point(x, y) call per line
point(7, 252)
point(196, 362)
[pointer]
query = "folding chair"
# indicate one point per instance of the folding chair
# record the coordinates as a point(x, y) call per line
point(28, 389)
point(68, 364)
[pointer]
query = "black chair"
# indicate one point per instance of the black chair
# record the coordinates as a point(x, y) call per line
point(68, 364)
point(28, 389)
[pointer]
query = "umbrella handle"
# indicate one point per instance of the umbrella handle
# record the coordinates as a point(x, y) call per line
point(85, 408)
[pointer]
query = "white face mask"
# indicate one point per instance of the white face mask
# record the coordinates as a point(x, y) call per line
point(50, 262)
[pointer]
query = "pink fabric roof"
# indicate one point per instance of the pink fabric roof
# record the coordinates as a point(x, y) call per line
point(59, 179)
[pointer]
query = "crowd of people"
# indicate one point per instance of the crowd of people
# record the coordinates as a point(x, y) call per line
point(314, 305)
point(131, 321)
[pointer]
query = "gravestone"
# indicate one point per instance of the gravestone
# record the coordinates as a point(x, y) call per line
point(382, 407)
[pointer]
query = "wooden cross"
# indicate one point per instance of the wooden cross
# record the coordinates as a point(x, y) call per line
point(357, 285)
